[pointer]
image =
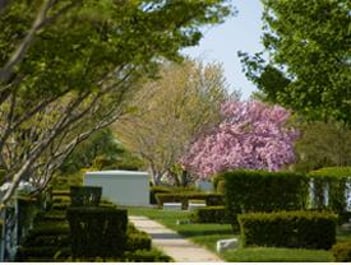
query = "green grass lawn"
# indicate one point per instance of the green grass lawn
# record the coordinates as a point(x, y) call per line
point(207, 235)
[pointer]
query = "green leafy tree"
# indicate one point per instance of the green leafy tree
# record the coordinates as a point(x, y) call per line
point(101, 151)
point(323, 144)
point(169, 112)
point(306, 64)
point(68, 67)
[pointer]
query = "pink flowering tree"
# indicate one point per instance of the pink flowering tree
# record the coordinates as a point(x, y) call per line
point(251, 135)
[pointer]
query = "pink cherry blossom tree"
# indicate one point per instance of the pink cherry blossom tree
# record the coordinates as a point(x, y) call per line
point(251, 135)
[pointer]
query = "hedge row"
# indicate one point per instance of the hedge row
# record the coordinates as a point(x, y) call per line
point(97, 231)
point(261, 191)
point(155, 190)
point(294, 229)
point(211, 199)
point(210, 214)
point(331, 189)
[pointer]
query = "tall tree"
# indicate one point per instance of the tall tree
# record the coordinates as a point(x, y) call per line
point(251, 135)
point(170, 111)
point(323, 144)
point(306, 62)
point(67, 67)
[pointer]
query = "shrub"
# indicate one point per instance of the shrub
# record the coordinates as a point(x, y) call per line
point(330, 188)
point(217, 181)
point(146, 256)
point(97, 231)
point(295, 229)
point(137, 239)
point(210, 198)
point(342, 251)
point(213, 214)
point(155, 190)
point(261, 191)
point(85, 195)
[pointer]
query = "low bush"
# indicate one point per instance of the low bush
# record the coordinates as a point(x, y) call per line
point(212, 214)
point(153, 255)
point(146, 256)
point(155, 190)
point(295, 229)
point(342, 251)
point(137, 239)
point(97, 231)
point(210, 198)
point(41, 253)
point(218, 181)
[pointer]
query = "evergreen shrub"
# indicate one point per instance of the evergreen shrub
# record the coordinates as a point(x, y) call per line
point(292, 229)
point(210, 198)
point(97, 231)
point(211, 214)
point(262, 191)
point(155, 190)
point(342, 251)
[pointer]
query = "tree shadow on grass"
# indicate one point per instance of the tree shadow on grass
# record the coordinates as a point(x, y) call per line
point(193, 233)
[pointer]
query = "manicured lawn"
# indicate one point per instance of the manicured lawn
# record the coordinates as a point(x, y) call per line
point(277, 255)
point(208, 234)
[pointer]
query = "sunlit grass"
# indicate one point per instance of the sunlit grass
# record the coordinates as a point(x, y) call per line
point(207, 235)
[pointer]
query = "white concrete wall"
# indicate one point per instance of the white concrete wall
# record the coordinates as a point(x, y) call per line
point(122, 187)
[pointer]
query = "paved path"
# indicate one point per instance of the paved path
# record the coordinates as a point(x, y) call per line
point(180, 249)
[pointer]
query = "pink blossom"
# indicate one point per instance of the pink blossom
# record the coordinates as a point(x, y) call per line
point(251, 135)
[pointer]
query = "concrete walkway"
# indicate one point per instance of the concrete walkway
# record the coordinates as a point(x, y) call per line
point(168, 241)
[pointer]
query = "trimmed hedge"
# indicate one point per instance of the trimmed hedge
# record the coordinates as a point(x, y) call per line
point(155, 190)
point(146, 256)
point(336, 182)
point(85, 195)
point(295, 229)
point(97, 231)
point(342, 251)
point(261, 191)
point(137, 239)
point(211, 199)
point(212, 214)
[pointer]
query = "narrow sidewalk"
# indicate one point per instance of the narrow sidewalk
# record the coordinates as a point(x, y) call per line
point(180, 249)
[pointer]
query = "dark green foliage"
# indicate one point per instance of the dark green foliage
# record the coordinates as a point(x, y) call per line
point(213, 214)
point(146, 256)
point(336, 181)
point(308, 46)
point(136, 256)
point(2, 175)
point(342, 251)
point(85, 196)
point(260, 191)
point(155, 190)
point(210, 198)
point(66, 180)
point(295, 229)
point(41, 253)
point(139, 240)
point(101, 151)
point(97, 231)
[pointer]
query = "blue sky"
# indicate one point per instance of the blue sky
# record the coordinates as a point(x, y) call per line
point(221, 43)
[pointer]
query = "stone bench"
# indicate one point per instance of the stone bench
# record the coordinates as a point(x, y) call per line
point(195, 205)
point(173, 206)
point(225, 244)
